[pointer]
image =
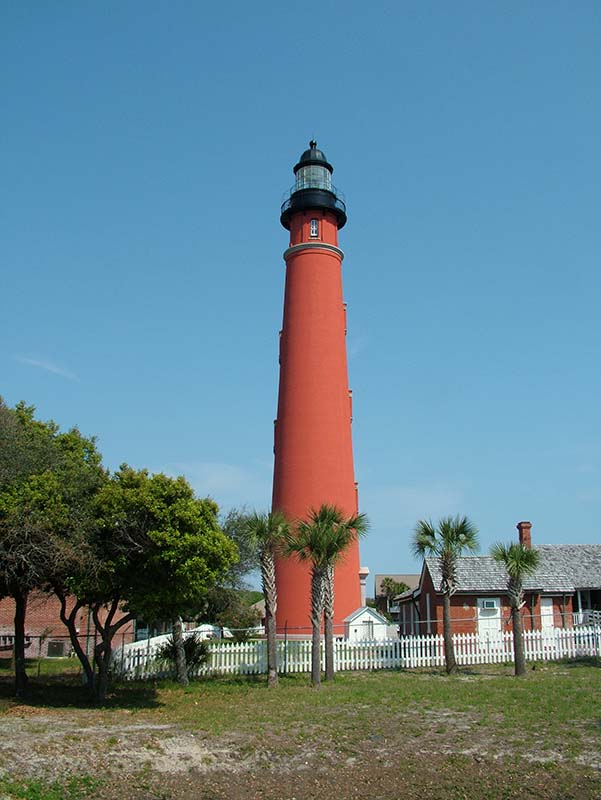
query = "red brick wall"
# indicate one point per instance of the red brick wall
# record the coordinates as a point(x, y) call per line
point(464, 611)
point(43, 620)
point(558, 615)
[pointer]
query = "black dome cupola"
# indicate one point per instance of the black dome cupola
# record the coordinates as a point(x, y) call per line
point(313, 156)
point(313, 189)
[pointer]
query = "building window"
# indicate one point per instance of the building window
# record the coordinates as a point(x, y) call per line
point(314, 228)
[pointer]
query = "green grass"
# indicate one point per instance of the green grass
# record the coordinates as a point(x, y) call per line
point(396, 715)
point(44, 666)
point(72, 789)
point(551, 698)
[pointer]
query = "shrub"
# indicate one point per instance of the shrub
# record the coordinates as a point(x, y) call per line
point(195, 650)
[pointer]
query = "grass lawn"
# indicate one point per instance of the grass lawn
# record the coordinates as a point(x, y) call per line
point(43, 666)
point(387, 735)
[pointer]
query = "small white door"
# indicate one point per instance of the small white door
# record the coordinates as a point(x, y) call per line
point(489, 617)
point(546, 613)
point(367, 629)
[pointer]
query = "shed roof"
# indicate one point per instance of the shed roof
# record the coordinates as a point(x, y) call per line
point(370, 612)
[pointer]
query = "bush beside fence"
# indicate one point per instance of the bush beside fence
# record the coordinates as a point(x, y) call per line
point(139, 660)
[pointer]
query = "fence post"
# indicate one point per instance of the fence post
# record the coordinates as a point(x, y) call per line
point(39, 638)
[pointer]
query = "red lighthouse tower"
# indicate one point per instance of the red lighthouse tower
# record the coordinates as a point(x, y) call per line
point(313, 445)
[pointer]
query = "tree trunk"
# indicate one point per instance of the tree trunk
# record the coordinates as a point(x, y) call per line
point(519, 656)
point(328, 615)
point(271, 604)
point(103, 650)
point(70, 621)
point(181, 669)
point(449, 650)
point(21, 679)
point(103, 654)
point(316, 615)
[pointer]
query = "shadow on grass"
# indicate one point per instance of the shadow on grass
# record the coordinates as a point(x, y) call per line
point(66, 692)
point(583, 661)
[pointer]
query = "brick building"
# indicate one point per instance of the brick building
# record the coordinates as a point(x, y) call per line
point(565, 590)
point(44, 629)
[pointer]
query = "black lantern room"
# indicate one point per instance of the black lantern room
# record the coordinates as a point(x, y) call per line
point(313, 189)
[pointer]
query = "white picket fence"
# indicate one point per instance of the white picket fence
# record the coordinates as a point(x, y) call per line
point(138, 661)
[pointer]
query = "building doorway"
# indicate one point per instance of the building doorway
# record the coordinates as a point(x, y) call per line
point(546, 614)
point(489, 617)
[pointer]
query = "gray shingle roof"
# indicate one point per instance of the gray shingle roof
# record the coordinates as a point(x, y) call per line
point(555, 573)
point(580, 562)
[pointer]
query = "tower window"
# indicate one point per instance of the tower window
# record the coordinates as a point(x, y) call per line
point(314, 228)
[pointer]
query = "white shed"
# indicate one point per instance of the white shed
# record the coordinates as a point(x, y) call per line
point(365, 623)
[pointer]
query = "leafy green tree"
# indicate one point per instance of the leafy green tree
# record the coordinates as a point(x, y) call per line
point(235, 526)
point(159, 549)
point(47, 482)
point(28, 512)
point(81, 477)
point(446, 542)
point(519, 562)
point(228, 603)
point(270, 532)
point(227, 608)
point(26, 444)
point(321, 540)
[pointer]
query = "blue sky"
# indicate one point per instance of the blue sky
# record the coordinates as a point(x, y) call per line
point(145, 150)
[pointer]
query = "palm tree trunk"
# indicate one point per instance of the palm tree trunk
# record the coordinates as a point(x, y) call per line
point(328, 615)
point(449, 649)
point(316, 615)
point(271, 603)
point(181, 669)
point(519, 656)
point(21, 680)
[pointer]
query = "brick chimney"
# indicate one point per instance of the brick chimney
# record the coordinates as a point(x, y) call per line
point(524, 529)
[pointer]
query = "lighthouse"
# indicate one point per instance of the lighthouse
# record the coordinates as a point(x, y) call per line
point(312, 439)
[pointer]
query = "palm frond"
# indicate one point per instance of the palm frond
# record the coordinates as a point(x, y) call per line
point(446, 541)
point(519, 561)
point(424, 539)
point(268, 530)
point(458, 534)
point(324, 536)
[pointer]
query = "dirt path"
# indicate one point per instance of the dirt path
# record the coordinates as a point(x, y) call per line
point(430, 755)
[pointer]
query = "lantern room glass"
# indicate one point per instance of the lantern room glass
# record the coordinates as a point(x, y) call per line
point(313, 177)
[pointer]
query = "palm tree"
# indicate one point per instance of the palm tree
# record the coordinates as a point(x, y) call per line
point(391, 588)
point(322, 540)
point(519, 562)
point(269, 531)
point(446, 542)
